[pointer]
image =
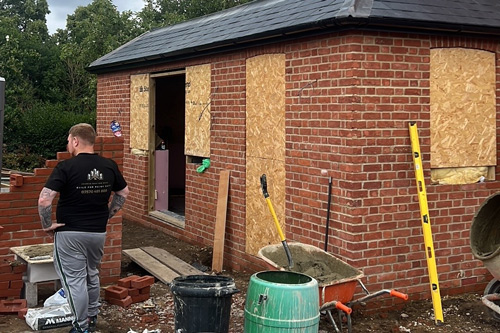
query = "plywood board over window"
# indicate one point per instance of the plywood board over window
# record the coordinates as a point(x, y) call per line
point(463, 114)
point(139, 112)
point(265, 148)
point(198, 99)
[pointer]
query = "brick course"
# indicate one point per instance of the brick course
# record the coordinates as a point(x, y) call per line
point(20, 221)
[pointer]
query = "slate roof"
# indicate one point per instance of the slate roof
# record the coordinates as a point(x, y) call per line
point(271, 20)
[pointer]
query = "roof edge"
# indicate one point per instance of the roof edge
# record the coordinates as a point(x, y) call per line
point(316, 28)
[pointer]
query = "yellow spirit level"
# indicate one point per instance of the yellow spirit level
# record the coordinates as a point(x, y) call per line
point(426, 224)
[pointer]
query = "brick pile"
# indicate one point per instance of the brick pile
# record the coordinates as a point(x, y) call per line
point(11, 284)
point(129, 290)
point(11, 279)
point(16, 306)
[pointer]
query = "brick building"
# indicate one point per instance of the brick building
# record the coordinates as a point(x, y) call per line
point(305, 92)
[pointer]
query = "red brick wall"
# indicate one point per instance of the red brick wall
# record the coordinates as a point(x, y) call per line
point(21, 222)
point(349, 99)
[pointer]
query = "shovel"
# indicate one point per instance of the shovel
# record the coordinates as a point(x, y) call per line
point(263, 184)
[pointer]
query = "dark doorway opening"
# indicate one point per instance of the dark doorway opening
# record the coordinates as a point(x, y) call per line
point(170, 161)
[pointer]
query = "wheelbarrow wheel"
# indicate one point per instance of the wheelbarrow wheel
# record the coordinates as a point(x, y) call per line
point(493, 288)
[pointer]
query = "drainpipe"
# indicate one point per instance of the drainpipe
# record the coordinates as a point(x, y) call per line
point(2, 105)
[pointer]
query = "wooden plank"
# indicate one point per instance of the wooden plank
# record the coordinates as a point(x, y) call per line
point(220, 221)
point(174, 263)
point(152, 265)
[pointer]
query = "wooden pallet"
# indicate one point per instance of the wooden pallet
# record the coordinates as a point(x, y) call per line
point(160, 263)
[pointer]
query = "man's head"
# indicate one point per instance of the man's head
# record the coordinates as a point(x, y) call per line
point(81, 138)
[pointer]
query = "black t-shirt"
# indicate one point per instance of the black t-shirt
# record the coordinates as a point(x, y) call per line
point(85, 183)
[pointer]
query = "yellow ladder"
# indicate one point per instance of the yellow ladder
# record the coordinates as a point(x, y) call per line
point(426, 224)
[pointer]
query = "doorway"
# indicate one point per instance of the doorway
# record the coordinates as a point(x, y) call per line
point(170, 161)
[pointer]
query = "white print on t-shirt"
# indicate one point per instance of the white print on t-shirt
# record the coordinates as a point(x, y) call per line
point(91, 188)
point(95, 175)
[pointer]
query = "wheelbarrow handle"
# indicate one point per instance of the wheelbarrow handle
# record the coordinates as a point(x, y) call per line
point(337, 305)
point(343, 307)
point(398, 294)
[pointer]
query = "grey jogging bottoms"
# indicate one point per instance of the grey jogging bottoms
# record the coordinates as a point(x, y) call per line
point(77, 256)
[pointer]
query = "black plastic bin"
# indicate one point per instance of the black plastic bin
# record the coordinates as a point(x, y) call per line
point(202, 303)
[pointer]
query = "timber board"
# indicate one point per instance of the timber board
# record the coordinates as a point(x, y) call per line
point(179, 266)
point(160, 263)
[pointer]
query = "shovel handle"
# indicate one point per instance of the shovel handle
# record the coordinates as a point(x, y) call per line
point(275, 218)
point(263, 185)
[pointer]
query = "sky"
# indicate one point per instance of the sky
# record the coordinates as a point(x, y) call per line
point(60, 9)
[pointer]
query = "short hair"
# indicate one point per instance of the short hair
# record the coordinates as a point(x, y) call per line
point(84, 132)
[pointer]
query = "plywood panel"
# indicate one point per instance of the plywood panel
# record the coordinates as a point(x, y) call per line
point(459, 175)
point(198, 99)
point(266, 107)
point(265, 150)
point(260, 228)
point(139, 111)
point(463, 117)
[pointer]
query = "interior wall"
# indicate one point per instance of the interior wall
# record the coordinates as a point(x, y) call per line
point(169, 125)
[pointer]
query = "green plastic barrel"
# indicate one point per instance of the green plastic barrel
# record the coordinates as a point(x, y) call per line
point(281, 301)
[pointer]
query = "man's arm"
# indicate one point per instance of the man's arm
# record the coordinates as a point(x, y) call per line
point(45, 209)
point(118, 201)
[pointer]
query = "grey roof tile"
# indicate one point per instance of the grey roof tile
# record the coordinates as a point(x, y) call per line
point(267, 18)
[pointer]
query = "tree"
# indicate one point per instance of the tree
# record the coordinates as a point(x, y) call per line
point(47, 86)
point(160, 13)
point(91, 32)
point(26, 51)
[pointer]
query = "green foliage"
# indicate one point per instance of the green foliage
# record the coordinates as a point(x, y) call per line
point(160, 13)
point(47, 87)
point(22, 160)
point(90, 33)
point(38, 134)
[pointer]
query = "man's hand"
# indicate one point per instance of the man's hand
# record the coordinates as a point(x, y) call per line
point(53, 227)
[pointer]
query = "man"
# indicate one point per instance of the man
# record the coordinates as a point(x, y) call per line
point(84, 183)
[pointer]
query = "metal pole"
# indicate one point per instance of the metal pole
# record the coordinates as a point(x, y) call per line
point(2, 107)
point(328, 212)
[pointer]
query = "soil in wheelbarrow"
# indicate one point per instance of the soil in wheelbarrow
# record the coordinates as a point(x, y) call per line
point(310, 261)
point(462, 314)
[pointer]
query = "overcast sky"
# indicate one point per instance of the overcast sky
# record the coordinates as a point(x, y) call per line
point(60, 9)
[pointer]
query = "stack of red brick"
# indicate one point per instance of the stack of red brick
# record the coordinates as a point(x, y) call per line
point(11, 284)
point(129, 290)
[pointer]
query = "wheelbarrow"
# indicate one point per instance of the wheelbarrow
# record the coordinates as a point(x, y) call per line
point(485, 246)
point(337, 280)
